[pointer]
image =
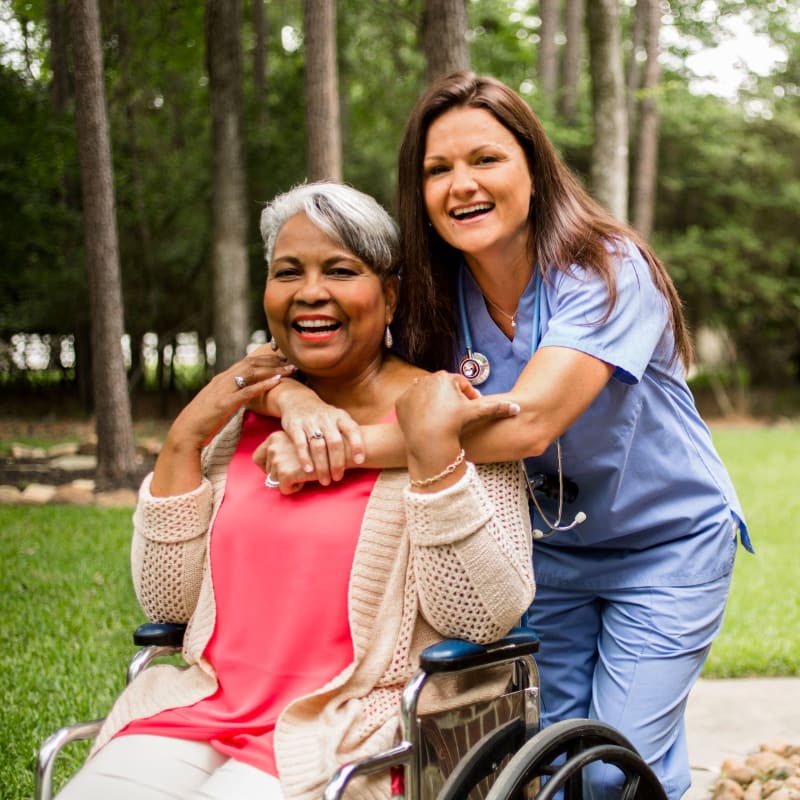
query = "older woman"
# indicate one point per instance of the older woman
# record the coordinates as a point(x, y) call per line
point(307, 612)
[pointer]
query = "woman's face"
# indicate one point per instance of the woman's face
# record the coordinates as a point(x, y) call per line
point(477, 185)
point(326, 308)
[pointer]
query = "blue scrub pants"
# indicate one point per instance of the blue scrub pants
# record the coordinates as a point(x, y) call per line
point(628, 657)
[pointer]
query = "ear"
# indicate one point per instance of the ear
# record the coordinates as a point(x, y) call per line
point(391, 291)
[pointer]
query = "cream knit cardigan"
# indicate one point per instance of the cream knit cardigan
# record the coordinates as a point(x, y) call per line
point(456, 563)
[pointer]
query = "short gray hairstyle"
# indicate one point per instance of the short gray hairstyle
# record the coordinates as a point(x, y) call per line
point(354, 219)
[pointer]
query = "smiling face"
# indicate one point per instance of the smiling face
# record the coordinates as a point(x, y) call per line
point(477, 185)
point(326, 308)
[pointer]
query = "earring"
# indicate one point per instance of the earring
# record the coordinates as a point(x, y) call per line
point(273, 344)
point(387, 338)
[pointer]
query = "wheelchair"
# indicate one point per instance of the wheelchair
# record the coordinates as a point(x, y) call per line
point(488, 750)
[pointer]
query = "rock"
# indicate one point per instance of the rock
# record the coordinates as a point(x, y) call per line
point(37, 493)
point(26, 451)
point(727, 789)
point(766, 762)
point(116, 498)
point(753, 791)
point(73, 495)
point(74, 463)
point(63, 449)
point(10, 495)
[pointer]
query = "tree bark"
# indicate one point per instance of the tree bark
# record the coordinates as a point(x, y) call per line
point(571, 68)
point(115, 444)
point(634, 81)
point(58, 53)
point(228, 188)
point(647, 150)
point(609, 170)
point(444, 37)
point(259, 59)
point(323, 131)
point(548, 54)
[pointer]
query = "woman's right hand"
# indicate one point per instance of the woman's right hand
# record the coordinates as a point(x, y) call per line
point(177, 468)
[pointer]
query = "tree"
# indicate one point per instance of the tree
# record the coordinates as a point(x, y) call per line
point(646, 164)
point(323, 132)
point(115, 445)
point(609, 171)
point(571, 71)
point(548, 54)
point(444, 37)
point(228, 188)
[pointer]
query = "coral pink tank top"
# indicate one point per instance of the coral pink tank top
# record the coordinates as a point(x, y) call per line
point(281, 568)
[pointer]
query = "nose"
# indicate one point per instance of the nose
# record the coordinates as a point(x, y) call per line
point(313, 289)
point(463, 181)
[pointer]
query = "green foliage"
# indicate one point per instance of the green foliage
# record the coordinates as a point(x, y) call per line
point(68, 611)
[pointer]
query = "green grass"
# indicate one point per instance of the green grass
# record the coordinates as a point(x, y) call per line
point(68, 607)
point(761, 632)
point(68, 611)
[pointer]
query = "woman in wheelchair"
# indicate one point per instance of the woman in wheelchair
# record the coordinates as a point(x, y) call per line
point(307, 610)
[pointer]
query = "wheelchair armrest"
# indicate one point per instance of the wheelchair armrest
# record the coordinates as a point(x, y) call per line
point(453, 655)
point(159, 634)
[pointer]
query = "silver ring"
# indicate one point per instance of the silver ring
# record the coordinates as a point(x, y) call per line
point(271, 483)
point(240, 382)
point(317, 434)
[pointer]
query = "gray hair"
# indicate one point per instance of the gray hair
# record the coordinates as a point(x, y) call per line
point(354, 219)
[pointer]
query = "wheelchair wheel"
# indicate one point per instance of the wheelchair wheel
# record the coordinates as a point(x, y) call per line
point(561, 752)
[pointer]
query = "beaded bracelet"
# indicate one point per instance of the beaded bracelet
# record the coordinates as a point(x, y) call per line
point(449, 470)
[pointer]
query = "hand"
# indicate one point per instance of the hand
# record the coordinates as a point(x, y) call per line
point(222, 396)
point(177, 469)
point(323, 458)
point(441, 405)
point(277, 456)
point(433, 413)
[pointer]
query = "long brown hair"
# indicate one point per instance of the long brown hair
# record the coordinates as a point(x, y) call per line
point(566, 225)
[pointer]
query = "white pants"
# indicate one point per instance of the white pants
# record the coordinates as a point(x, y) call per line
point(162, 768)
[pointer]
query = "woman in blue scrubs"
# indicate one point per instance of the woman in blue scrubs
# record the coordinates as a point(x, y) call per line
point(516, 279)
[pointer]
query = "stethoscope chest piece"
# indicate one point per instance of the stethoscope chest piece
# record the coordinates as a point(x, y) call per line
point(474, 367)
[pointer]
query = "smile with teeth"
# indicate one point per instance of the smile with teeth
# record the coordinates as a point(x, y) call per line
point(466, 212)
point(315, 327)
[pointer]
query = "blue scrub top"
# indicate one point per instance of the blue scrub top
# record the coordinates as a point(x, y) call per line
point(660, 506)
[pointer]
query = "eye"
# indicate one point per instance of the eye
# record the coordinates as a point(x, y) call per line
point(342, 271)
point(436, 169)
point(486, 158)
point(284, 273)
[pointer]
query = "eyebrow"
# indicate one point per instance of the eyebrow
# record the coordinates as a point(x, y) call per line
point(477, 149)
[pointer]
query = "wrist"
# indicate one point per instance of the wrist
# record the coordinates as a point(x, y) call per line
point(430, 475)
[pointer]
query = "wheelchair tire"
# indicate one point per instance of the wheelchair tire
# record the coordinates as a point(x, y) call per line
point(551, 750)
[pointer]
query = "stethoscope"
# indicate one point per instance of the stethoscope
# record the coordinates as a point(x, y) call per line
point(475, 367)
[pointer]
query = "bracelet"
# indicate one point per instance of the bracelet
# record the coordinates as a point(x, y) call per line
point(448, 470)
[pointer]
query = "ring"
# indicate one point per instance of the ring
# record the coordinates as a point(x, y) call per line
point(271, 483)
point(240, 382)
point(317, 434)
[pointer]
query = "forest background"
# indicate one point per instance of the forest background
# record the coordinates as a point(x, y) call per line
point(210, 109)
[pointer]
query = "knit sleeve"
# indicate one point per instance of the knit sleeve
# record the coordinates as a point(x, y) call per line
point(168, 551)
point(471, 548)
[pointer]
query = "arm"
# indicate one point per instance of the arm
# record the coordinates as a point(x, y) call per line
point(472, 555)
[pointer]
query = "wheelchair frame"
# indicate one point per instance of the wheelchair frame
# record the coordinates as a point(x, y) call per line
point(521, 757)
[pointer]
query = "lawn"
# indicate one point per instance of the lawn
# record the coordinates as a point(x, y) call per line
point(68, 607)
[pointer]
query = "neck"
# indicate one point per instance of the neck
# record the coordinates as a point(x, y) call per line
point(502, 280)
point(367, 396)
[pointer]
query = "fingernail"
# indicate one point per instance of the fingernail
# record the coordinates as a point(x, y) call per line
point(308, 468)
point(513, 408)
point(358, 458)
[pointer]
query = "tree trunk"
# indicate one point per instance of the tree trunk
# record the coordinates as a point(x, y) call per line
point(323, 131)
point(444, 37)
point(609, 170)
point(115, 445)
point(259, 59)
point(228, 188)
point(640, 13)
point(58, 53)
point(647, 149)
point(571, 70)
point(548, 58)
